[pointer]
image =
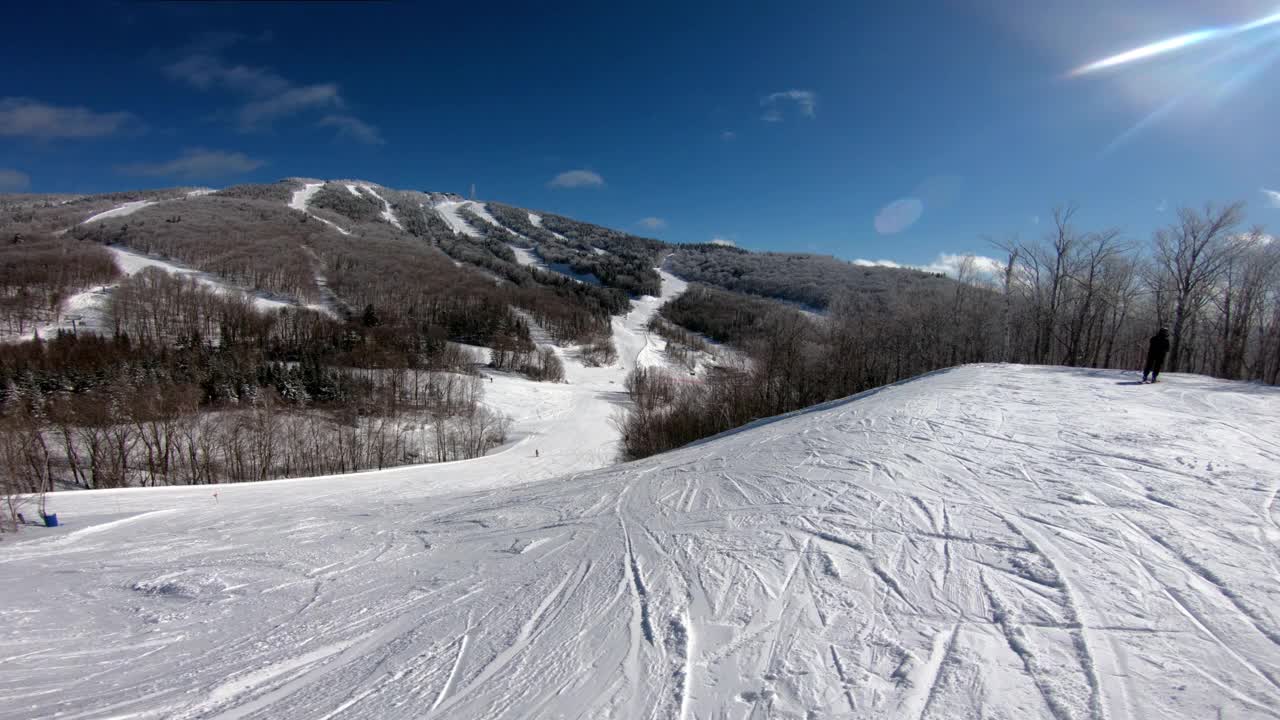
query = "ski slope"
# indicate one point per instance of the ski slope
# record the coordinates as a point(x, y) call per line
point(89, 309)
point(448, 210)
point(990, 541)
point(122, 210)
point(301, 198)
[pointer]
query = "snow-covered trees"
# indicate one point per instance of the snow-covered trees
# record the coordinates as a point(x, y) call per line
point(39, 272)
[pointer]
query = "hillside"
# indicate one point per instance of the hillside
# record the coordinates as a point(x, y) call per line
point(191, 335)
point(995, 541)
point(311, 242)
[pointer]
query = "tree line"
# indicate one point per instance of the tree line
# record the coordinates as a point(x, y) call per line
point(39, 272)
point(1076, 297)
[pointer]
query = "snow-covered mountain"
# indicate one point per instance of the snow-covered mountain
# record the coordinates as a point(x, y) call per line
point(989, 541)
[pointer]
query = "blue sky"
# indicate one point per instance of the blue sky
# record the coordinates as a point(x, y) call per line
point(905, 132)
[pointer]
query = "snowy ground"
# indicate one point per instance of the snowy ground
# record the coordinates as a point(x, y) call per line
point(128, 208)
point(302, 198)
point(387, 213)
point(88, 310)
point(448, 211)
point(991, 541)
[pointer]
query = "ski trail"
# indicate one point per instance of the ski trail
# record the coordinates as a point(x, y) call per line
point(387, 213)
point(302, 198)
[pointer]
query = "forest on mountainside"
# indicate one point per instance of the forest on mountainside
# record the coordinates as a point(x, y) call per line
point(815, 281)
point(366, 371)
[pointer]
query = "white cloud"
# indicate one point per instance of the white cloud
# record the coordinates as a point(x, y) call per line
point(805, 100)
point(354, 128)
point(13, 180)
point(898, 215)
point(294, 100)
point(1273, 197)
point(653, 223)
point(23, 117)
point(948, 264)
point(576, 179)
point(728, 136)
point(196, 164)
point(723, 241)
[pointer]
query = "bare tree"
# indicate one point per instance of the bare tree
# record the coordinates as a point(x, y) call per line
point(1192, 255)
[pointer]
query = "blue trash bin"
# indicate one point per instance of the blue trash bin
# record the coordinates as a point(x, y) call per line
point(51, 520)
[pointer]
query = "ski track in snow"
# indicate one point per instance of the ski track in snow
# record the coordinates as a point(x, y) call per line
point(924, 550)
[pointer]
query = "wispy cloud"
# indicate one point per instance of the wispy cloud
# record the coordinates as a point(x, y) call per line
point(726, 242)
point(1272, 196)
point(13, 181)
point(652, 223)
point(268, 96)
point(208, 71)
point(197, 164)
point(774, 104)
point(576, 179)
point(1164, 205)
point(24, 117)
point(728, 136)
point(353, 128)
point(259, 113)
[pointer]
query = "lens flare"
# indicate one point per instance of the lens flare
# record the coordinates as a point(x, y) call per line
point(1262, 22)
point(1245, 52)
point(1148, 51)
point(1178, 42)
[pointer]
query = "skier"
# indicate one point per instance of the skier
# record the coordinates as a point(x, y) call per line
point(1156, 351)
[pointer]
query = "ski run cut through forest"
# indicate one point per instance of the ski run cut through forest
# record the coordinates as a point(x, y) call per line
point(996, 541)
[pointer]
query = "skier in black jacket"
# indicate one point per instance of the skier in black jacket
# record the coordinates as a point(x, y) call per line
point(1156, 351)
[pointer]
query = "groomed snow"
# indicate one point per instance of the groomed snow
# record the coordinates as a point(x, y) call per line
point(128, 208)
point(448, 211)
point(302, 198)
point(387, 213)
point(990, 541)
point(88, 310)
point(536, 220)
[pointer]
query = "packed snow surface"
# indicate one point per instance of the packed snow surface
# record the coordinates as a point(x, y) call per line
point(990, 541)
point(128, 208)
point(89, 309)
point(387, 213)
point(536, 220)
point(448, 211)
point(302, 198)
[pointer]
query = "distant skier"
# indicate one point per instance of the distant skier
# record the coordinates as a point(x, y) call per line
point(1156, 351)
